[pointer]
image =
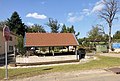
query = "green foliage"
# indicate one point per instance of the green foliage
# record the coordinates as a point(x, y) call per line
point(69, 30)
point(106, 37)
point(96, 33)
point(35, 28)
point(83, 41)
point(15, 24)
point(116, 35)
point(20, 45)
point(64, 29)
point(90, 43)
point(53, 24)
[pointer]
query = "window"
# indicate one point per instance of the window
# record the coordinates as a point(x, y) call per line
point(10, 48)
point(10, 38)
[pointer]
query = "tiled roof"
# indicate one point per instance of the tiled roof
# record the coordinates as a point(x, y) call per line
point(50, 39)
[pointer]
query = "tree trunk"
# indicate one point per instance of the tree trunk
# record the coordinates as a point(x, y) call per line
point(110, 44)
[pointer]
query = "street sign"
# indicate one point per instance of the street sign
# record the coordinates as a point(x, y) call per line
point(6, 33)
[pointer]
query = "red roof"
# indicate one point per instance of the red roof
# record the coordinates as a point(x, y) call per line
point(50, 39)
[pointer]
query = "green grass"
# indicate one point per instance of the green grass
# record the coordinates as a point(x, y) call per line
point(103, 62)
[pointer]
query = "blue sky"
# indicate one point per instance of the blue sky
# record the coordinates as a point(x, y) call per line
point(80, 13)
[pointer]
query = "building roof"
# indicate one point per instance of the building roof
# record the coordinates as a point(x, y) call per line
point(50, 39)
point(1, 30)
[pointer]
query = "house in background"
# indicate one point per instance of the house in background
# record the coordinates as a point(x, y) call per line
point(11, 43)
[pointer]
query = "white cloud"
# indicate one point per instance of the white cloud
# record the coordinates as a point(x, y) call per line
point(78, 16)
point(86, 11)
point(98, 6)
point(75, 18)
point(36, 15)
point(70, 14)
point(29, 24)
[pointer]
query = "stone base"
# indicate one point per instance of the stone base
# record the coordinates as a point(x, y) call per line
point(13, 64)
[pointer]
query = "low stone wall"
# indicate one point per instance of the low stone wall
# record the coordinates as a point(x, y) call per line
point(36, 59)
point(117, 50)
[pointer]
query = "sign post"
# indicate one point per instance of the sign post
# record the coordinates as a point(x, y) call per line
point(6, 66)
point(6, 35)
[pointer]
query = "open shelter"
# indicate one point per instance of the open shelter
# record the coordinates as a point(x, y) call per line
point(51, 40)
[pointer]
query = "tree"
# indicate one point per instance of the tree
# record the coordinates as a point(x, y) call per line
point(64, 29)
point(108, 13)
point(106, 37)
point(72, 30)
point(96, 33)
point(15, 24)
point(20, 45)
point(53, 24)
point(36, 28)
point(116, 35)
point(69, 30)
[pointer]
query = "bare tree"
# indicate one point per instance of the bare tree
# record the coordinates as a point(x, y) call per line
point(108, 13)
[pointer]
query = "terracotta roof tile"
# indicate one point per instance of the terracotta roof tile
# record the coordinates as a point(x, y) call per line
point(50, 39)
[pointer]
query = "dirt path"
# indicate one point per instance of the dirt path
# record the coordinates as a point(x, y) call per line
point(111, 54)
point(88, 75)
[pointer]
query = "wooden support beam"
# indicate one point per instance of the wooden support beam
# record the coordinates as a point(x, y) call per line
point(68, 48)
point(49, 50)
point(76, 52)
point(53, 51)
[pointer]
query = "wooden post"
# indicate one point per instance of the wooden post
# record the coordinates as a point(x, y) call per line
point(6, 64)
point(15, 55)
point(53, 51)
point(49, 50)
point(62, 49)
point(76, 52)
point(68, 48)
point(40, 49)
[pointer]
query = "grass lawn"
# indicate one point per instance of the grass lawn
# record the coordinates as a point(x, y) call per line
point(103, 62)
